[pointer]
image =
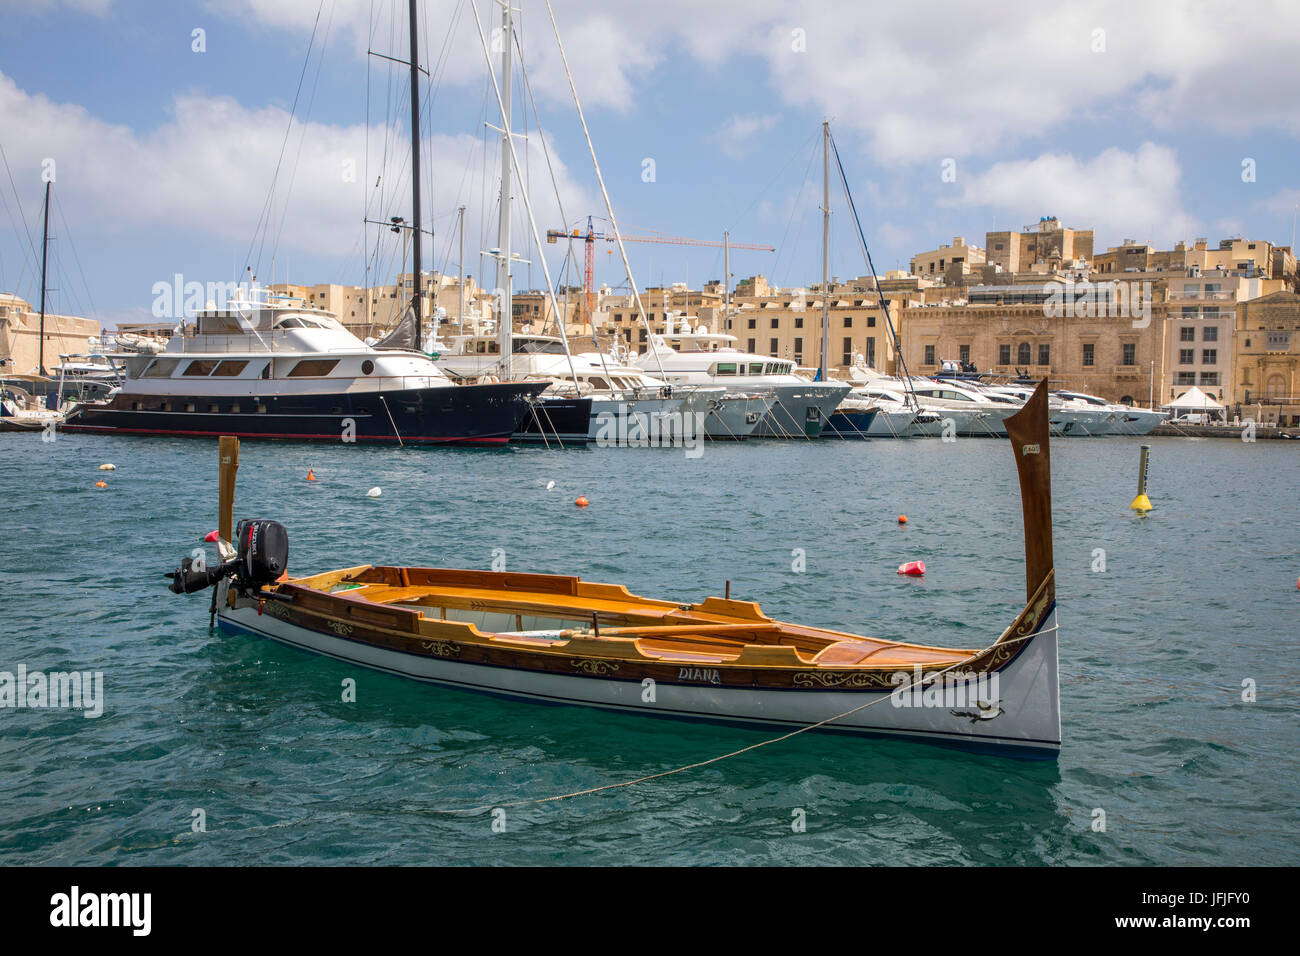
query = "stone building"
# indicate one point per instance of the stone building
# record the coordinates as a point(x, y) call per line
point(21, 345)
point(1266, 359)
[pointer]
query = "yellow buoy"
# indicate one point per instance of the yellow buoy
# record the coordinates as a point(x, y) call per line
point(1142, 504)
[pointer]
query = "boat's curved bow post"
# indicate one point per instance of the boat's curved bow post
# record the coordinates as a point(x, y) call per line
point(1031, 642)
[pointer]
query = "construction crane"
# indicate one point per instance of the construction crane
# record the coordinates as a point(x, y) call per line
point(589, 239)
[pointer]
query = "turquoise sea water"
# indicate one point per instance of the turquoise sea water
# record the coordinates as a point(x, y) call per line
point(1194, 600)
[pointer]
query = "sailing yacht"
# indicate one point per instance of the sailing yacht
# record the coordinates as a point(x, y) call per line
point(275, 367)
point(800, 407)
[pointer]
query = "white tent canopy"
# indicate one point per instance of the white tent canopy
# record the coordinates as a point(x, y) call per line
point(1194, 400)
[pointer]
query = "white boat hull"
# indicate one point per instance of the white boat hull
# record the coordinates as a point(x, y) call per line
point(1027, 722)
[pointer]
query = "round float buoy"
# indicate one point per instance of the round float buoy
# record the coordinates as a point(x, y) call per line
point(902, 519)
point(582, 501)
point(311, 475)
point(912, 568)
point(212, 536)
point(374, 492)
point(101, 484)
point(550, 485)
point(108, 467)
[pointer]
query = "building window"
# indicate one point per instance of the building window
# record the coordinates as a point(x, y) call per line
point(1186, 378)
point(1128, 353)
point(776, 323)
point(1089, 354)
point(1187, 334)
point(798, 350)
point(1209, 356)
point(773, 350)
point(1209, 378)
point(1044, 355)
point(1022, 353)
point(963, 353)
point(848, 350)
point(798, 321)
point(1210, 334)
point(871, 321)
point(753, 323)
point(1004, 354)
point(871, 351)
point(848, 321)
point(750, 345)
point(929, 355)
point(1186, 356)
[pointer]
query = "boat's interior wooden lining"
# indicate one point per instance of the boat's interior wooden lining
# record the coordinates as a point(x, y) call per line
point(511, 606)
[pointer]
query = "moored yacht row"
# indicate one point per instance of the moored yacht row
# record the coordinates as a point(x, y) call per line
point(274, 367)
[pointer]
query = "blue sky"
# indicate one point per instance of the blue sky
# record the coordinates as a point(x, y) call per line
point(1134, 122)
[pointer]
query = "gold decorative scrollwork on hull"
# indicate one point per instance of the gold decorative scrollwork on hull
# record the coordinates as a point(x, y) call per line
point(839, 679)
point(594, 667)
point(442, 648)
point(340, 628)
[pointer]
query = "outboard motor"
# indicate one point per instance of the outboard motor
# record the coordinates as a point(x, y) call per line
point(262, 556)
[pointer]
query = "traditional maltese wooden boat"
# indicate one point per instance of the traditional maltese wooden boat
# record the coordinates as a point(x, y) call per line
point(563, 640)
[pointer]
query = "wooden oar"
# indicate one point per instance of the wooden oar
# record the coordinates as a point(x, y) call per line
point(229, 458)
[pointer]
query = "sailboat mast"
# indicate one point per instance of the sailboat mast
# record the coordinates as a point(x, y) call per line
point(45, 248)
point(726, 278)
point(505, 277)
point(415, 179)
point(826, 251)
point(460, 310)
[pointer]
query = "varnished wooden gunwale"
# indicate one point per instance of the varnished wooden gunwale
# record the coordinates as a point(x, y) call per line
point(776, 665)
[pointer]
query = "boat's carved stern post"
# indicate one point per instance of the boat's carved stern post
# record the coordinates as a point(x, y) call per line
point(1030, 435)
point(1029, 431)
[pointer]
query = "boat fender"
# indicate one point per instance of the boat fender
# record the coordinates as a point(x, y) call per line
point(912, 568)
point(108, 467)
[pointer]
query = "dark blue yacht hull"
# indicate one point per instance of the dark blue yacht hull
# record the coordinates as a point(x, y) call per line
point(463, 414)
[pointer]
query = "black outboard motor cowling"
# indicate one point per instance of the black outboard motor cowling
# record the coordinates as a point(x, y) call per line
point(262, 555)
point(263, 548)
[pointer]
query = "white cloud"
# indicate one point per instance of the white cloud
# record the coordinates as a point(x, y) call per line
point(1117, 193)
point(207, 168)
point(736, 136)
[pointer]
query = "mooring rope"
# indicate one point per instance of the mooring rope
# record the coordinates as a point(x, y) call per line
point(924, 678)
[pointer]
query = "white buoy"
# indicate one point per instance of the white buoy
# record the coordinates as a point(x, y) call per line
point(550, 485)
point(108, 467)
point(374, 492)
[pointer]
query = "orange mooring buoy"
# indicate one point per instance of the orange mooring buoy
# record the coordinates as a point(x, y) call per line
point(902, 519)
point(582, 501)
point(101, 484)
point(311, 475)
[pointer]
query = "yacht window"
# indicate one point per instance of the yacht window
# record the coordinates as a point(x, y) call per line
point(755, 368)
point(292, 322)
point(726, 368)
point(200, 367)
point(313, 368)
point(161, 368)
point(598, 382)
point(230, 368)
